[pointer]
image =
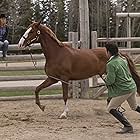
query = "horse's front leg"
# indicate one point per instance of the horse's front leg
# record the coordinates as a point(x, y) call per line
point(43, 85)
point(65, 97)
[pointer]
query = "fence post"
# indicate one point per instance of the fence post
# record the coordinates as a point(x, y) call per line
point(128, 30)
point(96, 91)
point(70, 91)
point(84, 38)
point(94, 39)
point(94, 45)
point(74, 85)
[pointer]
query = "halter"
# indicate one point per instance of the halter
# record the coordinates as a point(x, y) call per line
point(31, 41)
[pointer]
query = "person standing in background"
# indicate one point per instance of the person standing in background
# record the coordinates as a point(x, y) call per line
point(3, 35)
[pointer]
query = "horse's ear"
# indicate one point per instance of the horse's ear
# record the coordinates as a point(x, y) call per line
point(37, 24)
point(40, 21)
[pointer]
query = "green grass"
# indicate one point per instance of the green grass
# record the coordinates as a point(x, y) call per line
point(30, 92)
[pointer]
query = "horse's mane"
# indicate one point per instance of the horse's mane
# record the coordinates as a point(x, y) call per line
point(52, 35)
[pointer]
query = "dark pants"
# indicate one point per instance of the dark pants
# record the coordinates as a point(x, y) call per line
point(4, 47)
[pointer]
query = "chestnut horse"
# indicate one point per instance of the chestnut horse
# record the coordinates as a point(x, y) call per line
point(64, 63)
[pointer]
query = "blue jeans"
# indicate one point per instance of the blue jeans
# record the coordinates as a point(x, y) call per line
point(4, 47)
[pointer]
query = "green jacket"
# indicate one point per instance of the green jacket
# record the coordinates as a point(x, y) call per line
point(119, 80)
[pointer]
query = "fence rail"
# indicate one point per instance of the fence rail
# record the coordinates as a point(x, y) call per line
point(22, 78)
point(21, 68)
point(22, 58)
point(120, 39)
point(36, 57)
point(35, 46)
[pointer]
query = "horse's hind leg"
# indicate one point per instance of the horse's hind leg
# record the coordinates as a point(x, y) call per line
point(65, 97)
point(43, 85)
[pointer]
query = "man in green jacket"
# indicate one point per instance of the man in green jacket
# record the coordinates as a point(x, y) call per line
point(121, 86)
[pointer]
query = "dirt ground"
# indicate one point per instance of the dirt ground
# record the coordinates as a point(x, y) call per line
point(87, 120)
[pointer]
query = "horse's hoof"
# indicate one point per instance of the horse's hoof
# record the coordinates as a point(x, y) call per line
point(42, 107)
point(63, 116)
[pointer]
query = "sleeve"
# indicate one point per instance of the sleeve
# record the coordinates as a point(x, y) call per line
point(111, 75)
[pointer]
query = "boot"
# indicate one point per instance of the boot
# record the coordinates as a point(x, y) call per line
point(119, 116)
point(138, 109)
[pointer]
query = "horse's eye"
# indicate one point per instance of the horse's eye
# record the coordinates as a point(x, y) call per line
point(38, 32)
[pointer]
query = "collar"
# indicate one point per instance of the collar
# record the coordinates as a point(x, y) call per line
point(113, 56)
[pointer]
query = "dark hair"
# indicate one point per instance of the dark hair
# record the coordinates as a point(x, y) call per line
point(112, 48)
point(2, 16)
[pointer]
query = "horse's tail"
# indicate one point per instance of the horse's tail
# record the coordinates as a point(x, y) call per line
point(133, 71)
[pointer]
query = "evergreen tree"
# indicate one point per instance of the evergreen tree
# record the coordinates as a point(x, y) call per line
point(54, 15)
point(25, 12)
point(13, 21)
point(61, 16)
point(37, 10)
point(19, 13)
point(4, 4)
point(73, 15)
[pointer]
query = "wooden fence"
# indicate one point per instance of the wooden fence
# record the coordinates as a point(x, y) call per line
point(133, 52)
point(25, 62)
point(7, 65)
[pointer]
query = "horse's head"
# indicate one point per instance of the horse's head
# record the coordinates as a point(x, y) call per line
point(30, 36)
